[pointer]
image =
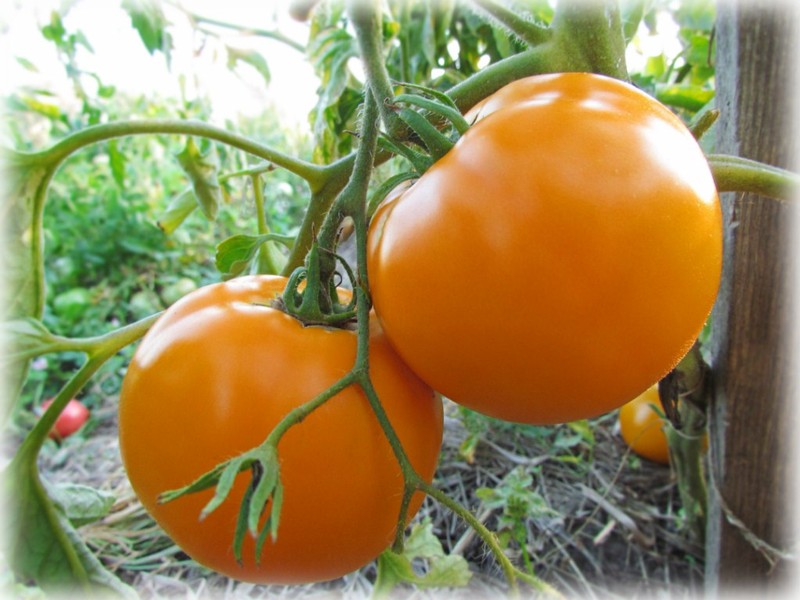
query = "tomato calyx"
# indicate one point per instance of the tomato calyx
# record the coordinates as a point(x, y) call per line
point(318, 302)
point(434, 124)
point(265, 486)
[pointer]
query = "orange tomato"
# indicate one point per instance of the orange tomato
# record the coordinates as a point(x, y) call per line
point(642, 427)
point(559, 260)
point(215, 375)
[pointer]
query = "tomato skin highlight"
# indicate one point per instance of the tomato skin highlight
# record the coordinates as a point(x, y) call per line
point(214, 376)
point(642, 427)
point(566, 252)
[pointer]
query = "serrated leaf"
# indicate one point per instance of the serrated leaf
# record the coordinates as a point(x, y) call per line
point(422, 543)
point(235, 254)
point(43, 547)
point(252, 58)
point(178, 209)
point(202, 169)
point(393, 570)
point(442, 570)
point(446, 571)
point(81, 504)
point(149, 21)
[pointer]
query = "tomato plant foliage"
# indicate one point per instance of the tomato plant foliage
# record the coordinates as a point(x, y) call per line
point(547, 231)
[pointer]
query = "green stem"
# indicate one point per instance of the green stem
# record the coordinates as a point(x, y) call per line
point(265, 33)
point(352, 201)
point(259, 169)
point(511, 573)
point(735, 174)
point(538, 60)
point(335, 177)
point(315, 175)
point(299, 414)
point(265, 262)
point(686, 445)
point(98, 350)
point(365, 16)
point(527, 31)
point(589, 37)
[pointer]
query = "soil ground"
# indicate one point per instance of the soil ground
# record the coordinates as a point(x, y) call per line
point(599, 523)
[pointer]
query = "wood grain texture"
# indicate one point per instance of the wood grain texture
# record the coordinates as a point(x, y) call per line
point(753, 421)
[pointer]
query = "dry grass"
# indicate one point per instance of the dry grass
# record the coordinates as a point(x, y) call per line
point(609, 525)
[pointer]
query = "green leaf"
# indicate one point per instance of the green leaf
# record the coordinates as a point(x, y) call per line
point(43, 546)
point(269, 470)
point(149, 21)
point(54, 31)
point(202, 169)
point(117, 161)
point(440, 570)
point(178, 209)
point(25, 179)
point(632, 12)
point(25, 339)
point(28, 65)
point(683, 96)
point(226, 479)
point(236, 253)
point(81, 504)
point(250, 57)
point(393, 569)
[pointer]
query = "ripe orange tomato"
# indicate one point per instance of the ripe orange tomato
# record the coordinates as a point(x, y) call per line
point(563, 256)
point(214, 376)
point(642, 427)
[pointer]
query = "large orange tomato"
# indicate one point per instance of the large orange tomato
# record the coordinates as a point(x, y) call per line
point(559, 260)
point(642, 427)
point(215, 375)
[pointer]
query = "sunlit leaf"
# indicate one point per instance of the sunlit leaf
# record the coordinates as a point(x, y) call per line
point(250, 57)
point(178, 209)
point(149, 21)
point(202, 169)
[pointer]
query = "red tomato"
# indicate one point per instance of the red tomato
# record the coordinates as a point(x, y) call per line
point(559, 260)
point(71, 419)
point(215, 375)
point(642, 427)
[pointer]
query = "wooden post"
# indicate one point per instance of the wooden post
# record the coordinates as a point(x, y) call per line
point(753, 423)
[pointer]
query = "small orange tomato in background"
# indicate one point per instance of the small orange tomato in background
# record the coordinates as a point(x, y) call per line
point(642, 427)
point(71, 419)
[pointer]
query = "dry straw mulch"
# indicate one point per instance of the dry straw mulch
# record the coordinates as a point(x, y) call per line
point(606, 524)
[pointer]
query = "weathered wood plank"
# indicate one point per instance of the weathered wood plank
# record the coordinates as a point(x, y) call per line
point(753, 419)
